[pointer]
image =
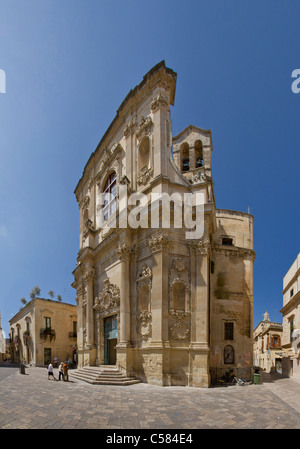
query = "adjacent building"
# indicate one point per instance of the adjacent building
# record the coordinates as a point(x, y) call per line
point(2, 344)
point(42, 331)
point(267, 350)
point(164, 305)
point(291, 320)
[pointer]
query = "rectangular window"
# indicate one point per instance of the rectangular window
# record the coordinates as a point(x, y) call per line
point(227, 241)
point(228, 334)
point(47, 322)
point(291, 292)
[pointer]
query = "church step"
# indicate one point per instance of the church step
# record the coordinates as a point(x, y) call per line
point(100, 376)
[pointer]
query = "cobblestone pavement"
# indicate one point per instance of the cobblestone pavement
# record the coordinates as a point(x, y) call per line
point(31, 401)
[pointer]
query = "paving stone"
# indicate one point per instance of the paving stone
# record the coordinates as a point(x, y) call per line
point(32, 401)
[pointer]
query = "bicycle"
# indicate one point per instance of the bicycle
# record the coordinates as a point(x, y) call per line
point(241, 382)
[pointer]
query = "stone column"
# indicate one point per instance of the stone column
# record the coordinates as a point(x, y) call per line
point(123, 352)
point(89, 277)
point(160, 345)
point(124, 255)
point(200, 314)
point(79, 301)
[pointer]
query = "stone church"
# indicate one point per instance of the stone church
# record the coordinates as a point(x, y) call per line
point(167, 309)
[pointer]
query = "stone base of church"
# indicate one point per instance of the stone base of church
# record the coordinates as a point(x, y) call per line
point(87, 356)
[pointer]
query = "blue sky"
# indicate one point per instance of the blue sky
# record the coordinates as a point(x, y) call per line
point(70, 64)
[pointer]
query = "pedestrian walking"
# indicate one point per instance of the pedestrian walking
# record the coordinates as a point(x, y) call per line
point(65, 370)
point(50, 371)
point(60, 371)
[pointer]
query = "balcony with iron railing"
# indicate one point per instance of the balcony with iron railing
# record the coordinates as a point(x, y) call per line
point(47, 332)
point(72, 334)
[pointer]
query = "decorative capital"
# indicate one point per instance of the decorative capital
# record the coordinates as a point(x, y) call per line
point(89, 274)
point(201, 246)
point(124, 251)
point(159, 101)
point(160, 242)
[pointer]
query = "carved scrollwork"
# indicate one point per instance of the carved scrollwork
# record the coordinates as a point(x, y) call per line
point(179, 331)
point(108, 301)
point(145, 127)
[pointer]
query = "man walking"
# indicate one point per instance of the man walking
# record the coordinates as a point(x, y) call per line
point(50, 371)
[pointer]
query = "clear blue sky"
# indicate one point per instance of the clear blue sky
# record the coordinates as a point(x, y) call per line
point(69, 64)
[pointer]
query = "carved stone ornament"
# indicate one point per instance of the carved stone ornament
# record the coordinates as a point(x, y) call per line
point(84, 202)
point(199, 176)
point(145, 127)
point(144, 277)
point(201, 246)
point(159, 242)
point(178, 331)
point(108, 301)
point(129, 128)
point(123, 251)
point(144, 325)
point(160, 100)
point(109, 160)
point(145, 176)
point(179, 264)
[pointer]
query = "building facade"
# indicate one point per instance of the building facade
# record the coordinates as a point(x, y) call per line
point(291, 320)
point(42, 331)
point(267, 350)
point(165, 305)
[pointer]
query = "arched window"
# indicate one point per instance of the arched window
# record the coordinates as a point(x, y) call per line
point(228, 355)
point(185, 157)
point(110, 191)
point(198, 154)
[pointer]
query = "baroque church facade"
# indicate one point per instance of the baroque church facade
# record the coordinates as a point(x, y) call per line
point(167, 309)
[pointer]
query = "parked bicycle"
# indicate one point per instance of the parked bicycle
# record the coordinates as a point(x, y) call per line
point(241, 382)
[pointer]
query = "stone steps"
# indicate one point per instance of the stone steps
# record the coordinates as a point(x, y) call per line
point(103, 375)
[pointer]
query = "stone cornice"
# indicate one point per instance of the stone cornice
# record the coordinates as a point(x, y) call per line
point(235, 251)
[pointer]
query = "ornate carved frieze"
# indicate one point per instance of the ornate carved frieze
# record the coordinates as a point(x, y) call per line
point(108, 301)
